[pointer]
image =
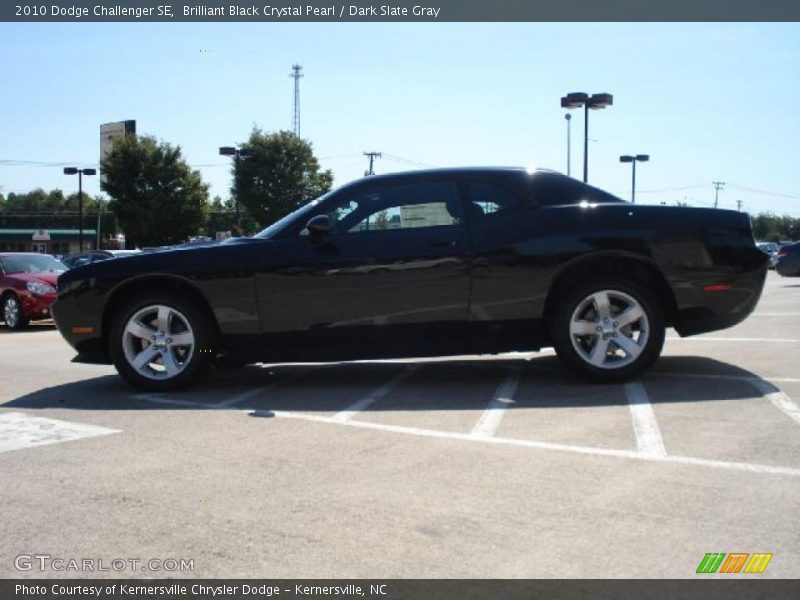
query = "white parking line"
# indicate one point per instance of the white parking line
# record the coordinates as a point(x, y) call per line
point(778, 398)
point(173, 401)
point(19, 431)
point(370, 399)
point(720, 376)
point(789, 314)
point(493, 414)
point(250, 394)
point(648, 435)
point(727, 339)
point(630, 454)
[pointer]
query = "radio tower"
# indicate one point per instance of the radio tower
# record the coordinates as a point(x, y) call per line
point(297, 73)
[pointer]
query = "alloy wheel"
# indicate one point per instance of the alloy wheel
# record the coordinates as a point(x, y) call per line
point(609, 329)
point(158, 342)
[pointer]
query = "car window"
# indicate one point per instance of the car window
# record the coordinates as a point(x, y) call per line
point(397, 207)
point(490, 198)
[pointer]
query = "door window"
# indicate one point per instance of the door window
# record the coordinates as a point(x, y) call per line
point(398, 207)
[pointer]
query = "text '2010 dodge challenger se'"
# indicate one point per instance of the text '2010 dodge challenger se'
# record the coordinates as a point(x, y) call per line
point(441, 262)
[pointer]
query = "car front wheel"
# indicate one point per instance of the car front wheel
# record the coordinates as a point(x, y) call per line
point(161, 341)
point(13, 314)
point(609, 330)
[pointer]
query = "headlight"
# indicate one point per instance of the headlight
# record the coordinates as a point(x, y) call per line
point(40, 289)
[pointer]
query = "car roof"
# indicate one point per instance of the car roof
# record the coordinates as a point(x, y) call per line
point(444, 172)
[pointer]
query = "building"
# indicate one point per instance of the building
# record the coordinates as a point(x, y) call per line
point(47, 241)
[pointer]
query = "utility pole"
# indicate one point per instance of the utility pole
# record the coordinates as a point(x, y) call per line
point(739, 205)
point(718, 185)
point(296, 74)
point(372, 156)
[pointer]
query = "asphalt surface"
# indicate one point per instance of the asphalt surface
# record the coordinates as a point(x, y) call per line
point(462, 467)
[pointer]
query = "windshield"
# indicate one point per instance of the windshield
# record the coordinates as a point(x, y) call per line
point(32, 263)
point(281, 223)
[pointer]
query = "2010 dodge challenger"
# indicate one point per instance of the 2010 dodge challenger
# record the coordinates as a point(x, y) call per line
point(441, 262)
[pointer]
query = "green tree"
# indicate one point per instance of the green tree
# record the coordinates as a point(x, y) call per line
point(279, 176)
point(156, 198)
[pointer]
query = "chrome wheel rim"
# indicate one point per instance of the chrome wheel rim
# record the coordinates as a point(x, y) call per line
point(158, 342)
point(609, 329)
point(11, 312)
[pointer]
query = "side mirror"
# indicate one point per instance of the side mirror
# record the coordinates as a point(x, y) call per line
point(318, 226)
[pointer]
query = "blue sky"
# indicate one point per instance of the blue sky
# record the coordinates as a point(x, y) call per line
point(708, 102)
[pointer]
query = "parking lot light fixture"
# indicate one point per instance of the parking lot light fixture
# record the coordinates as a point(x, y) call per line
point(80, 173)
point(594, 102)
point(237, 154)
point(633, 159)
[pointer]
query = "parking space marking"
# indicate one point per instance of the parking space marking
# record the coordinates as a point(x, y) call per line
point(173, 401)
point(721, 376)
point(501, 441)
point(493, 414)
point(371, 398)
point(19, 431)
point(727, 339)
point(645, 425)
point(250, 394)
point(778, 398)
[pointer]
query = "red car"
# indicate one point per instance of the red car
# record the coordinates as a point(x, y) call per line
point(27, 287)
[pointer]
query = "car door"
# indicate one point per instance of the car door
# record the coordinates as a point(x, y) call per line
point(510, 263)
point(392, 271)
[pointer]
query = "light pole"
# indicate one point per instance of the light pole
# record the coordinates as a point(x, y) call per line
point(99, 216)
point(568, 117)
point(237, 153)
point(633, 159)
point(80, 173)
point(595, 102)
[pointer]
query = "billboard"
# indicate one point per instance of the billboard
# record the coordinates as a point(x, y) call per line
point(110, 132)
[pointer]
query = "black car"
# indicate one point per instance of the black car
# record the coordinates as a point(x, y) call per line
point(440, 262)
point(788, 263)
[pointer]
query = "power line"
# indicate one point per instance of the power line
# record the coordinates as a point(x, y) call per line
point(407, 161)
point(764, 192)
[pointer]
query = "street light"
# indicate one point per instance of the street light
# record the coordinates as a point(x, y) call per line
point(633, 159)
point(80, 173)
point(595, 102)
point(237, 153)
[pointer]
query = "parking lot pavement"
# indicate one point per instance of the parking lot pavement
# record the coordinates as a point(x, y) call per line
point(465, 467)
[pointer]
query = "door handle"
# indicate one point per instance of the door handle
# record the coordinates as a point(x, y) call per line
point(450, 243)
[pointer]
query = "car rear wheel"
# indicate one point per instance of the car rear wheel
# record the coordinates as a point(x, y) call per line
point(161, 341)
point(13, 314)
point(609, 330)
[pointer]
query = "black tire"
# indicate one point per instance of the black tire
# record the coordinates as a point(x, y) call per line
point(583, 355)
point(12, 313)
point(186, 317)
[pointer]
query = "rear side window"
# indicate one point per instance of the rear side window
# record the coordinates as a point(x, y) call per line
point(553, 189)
point(487, 199)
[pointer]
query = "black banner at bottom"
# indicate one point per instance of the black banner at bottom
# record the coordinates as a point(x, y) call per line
point(398, 589)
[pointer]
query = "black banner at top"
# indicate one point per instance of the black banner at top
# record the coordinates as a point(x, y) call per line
point(398, 10)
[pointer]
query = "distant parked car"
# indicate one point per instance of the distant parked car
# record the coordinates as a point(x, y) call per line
point(85, 258)
point(770, 248)
point(789, 260)
point(27, 287)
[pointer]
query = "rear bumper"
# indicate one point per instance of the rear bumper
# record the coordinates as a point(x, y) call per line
point(701, 311)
